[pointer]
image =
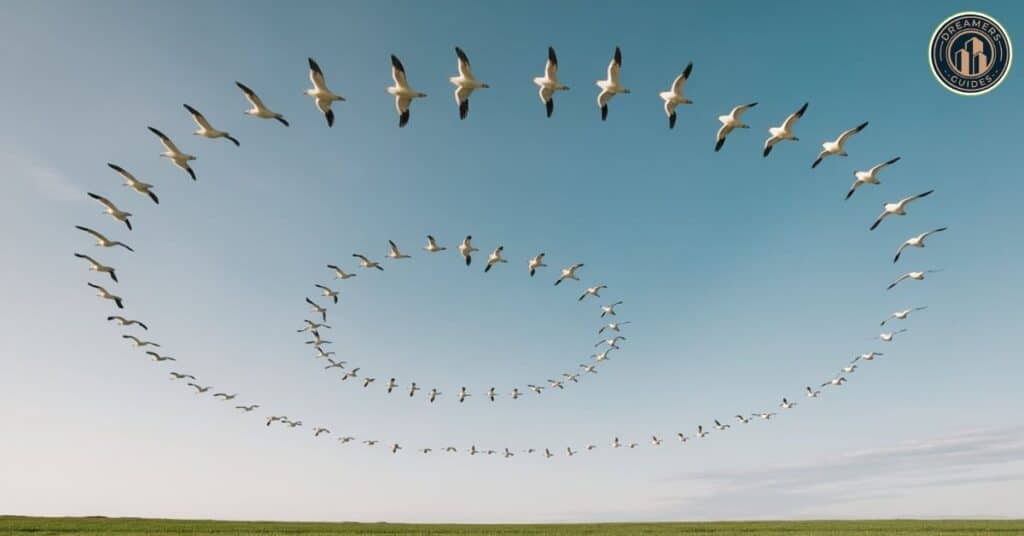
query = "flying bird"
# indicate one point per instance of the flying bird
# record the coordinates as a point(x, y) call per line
point(463, 394)
point(160, 358)
point(916, 276)
point(139, 343)
point(674, 96)
point(612, 343)
point(610, 86)
point(898, 208)
point(318, 309)
point(258, 108)
point(466, 249)
point(835, 148)
point(869, 177)
point(592, 291)
point(367, 263)
point(534, 263)
point(432, 246)
point(206, 130)
point(609, 309)
point(731, 122)
point(888, 337)
point(902, 315)
point(102, 240)
point(786, 404)
point(179, 376)
point(432, 395)
point(464, 83)
point(812, 393)
point(495, 258)
point(322, 97)
point(394, 253)
point(328, 292)
point(199, 388)
point(105, 294)
point(225, 396)
point(96, 266)
point(404, 94)
point(339, 273)
point(549, 84)
point(122, 321)
point(916, 242)
point(835, 382)
point(171, 152)
point(784, 131)
point(569, 273)
point(613, 326)
point(111, 209)
point(130, 181)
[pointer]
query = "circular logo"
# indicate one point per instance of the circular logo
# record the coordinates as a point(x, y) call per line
point(970, 53)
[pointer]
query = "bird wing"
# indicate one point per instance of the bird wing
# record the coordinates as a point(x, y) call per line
point(788, 123)
point(398, 72)
point(464, 69)
point(316, 76)
point(551, 67)
point(680, 81)
point(846, 134)
point(933, 231)
point(198, 118)
point(251, 96)
point(104, 201)
point(167, 143)
point(915, 197)
point(614, 66)
point(121, 171)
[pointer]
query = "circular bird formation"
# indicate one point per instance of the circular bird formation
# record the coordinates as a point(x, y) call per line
point(466, 84)
point(466, 250)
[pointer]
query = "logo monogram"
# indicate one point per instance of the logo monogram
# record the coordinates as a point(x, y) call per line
point(970, 53)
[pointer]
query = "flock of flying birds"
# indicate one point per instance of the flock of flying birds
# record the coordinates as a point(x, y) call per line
point(466, 250)
point(466, 84)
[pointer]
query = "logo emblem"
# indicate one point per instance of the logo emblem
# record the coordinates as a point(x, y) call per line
point(970, 53)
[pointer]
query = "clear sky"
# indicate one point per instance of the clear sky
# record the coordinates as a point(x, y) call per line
point(746, 278)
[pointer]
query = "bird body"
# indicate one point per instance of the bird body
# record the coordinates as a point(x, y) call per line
point(610, 86)
point(135, 184)
point(402, 91)
point(836, 148)
point(322, 96)
point(548, 84)
point(176, 156)
point(465, 83)
point(784, 131)
point(258, 109)
point(206, 130)
point(731, 122)
point(898, 208)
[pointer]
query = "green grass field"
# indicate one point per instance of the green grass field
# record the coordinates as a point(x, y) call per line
point(13, 525)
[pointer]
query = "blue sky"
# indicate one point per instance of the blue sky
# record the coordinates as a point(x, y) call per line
point(746, 278)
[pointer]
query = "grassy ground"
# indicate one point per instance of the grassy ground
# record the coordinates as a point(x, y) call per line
point(121, 526)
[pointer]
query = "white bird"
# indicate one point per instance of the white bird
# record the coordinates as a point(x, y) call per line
point(701, 433)
point(111, 209)
point(464, 83)
point(395, 447)
point(569, 273)
point(463, 394)
point(916, 276)
point(179, 376)
point(570, 452)
point(674, 96)
point(613, 326)
point(433, 394)
point(466, 249)
point(615, 443)
point(328, 292)
point(321, 353)
point(367, 263)
point(317, 309)
point(549, 84)
point(592, 369)
point(346, 439)
point(394, 253)
point(432, 246)
point(613, 343)
point(721, 427)
point(535, 388)
point(322, 96)
point(610, 86)
point(916, 242)
point(102, 240)
point(413, 388)
point(492, 394)
point(534, 263)
point(786, 404)
point(139, 343)
point(275, 418)
point(556, 384)
point(105, 294)
point(888, 337)
point(835, 148)
point(574, 378)
point(318, 431)
point(258, 108)
point(515, 394)
point(682, 437)
point(609, 309)
point(898, 208)
point(507, 453)
point(122, 321)
point(96, 266)
point(547, 453)
point(835, 382)
point(391, 385)
point(742, 419)
point(354, 373)
point(367, 381)
point(225, 396)
point(731, 122)
point(812, 393)
point(199, 388)
point(130, 181)
point(160, 358)
point(870, 356)
point(765, 415)
point(603, 356)
point(849, 369)
point(902, 315)
point(206, 130)
point(370, 442)
point(339, 273)
point(427, 450)
point(592, 291)
point(868, 177)
point(171, 152)
point(783, 131)
point(311, 325)
point(495, 258)
point(404, 94)
point(335, 364)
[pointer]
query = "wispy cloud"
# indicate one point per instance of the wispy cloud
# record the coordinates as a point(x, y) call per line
point(990, 456)
point(41, 177)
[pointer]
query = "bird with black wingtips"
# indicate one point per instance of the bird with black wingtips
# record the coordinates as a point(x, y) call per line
point(465, 83)
point(610, 86)
point(549, 84)
point(784, 131)
point(898, 208)
point(258, 108)
point(102, 240)
point(318, 309)
point(122, 321)
point(96, 266)
point(569, 272)
point(135, 184)
point(902, 315)
point(328, 292)
point(432, 246)
point(365, 262)
point(107, 295)
point(870, 176)
point(339, 273)
point(916, 242)
point(837, 147)
point(322, 96)
point(466, 249)
point(674, 96)
point(535, 263)
point(495, 258)
point(394, 253)
point(206, 130)
point(111, 209)
point(731, 122)
point(171, 152)
point(402, 91)
point(916, 276)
